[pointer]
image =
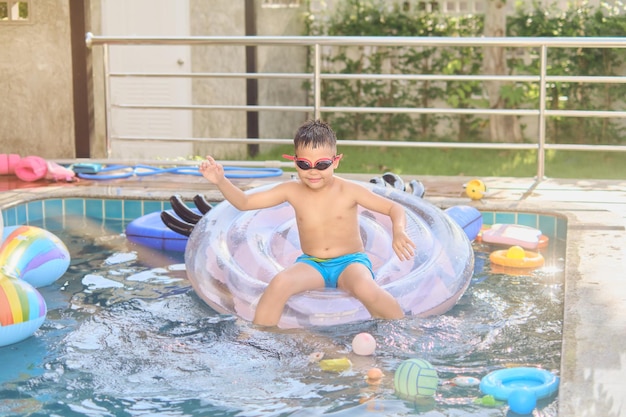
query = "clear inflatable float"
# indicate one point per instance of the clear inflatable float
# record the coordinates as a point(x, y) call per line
point(232, 255)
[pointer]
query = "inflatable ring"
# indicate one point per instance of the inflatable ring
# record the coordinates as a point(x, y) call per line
point(231, 256)
point(514, 235)
point(517, 257)
point(33, 254)
point(150, 231)
point(503, 382)
point(22, 310)
point(29, 257)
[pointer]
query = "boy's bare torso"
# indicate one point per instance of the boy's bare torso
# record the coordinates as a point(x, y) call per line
point(327, 218)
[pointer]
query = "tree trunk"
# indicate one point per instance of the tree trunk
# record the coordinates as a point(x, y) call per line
point(501, 128)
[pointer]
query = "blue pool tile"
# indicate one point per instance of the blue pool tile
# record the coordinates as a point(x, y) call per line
point(113, 209)
point(547, 225)
point(133, 209)
point(528, 219)
point(152, 206)
point(75, 206)
point(94, 209)
point(53, 208)
point(561, 228)
point(21, 213)
point(9, 216)
point(488, 217)
point(505, 218)
point(35, 211)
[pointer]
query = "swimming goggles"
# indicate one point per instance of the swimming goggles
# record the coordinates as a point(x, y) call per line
point(320, 164)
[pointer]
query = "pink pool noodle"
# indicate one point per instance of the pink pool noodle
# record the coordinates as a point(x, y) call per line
point(31, 168)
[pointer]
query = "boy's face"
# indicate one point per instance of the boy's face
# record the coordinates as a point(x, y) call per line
point(316, 166)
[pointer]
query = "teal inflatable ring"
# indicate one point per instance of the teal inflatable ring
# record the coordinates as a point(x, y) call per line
point(503, 382)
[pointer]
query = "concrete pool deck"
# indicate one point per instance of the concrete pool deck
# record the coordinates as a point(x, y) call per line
point(593, 364)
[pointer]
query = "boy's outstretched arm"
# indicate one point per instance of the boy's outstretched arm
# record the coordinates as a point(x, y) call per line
point(214, 172)
point(402, 244)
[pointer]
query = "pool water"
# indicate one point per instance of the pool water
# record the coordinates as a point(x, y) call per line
point(126, 335)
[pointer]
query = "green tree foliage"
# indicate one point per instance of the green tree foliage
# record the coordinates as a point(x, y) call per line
point(378, 18)
point(383, 18)
point(606, 21)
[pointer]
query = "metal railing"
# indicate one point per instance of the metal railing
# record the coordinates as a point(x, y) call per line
point(316, 77)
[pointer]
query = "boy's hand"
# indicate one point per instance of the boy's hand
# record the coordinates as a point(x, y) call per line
point(211, 170)
point(402, 245)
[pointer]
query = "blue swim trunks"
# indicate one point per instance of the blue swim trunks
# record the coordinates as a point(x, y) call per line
point(331, 268)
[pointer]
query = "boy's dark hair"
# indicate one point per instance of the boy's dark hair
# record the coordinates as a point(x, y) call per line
point(314, 134)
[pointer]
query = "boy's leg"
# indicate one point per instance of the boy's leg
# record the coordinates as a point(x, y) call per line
point(357, 280)
point(298, 278)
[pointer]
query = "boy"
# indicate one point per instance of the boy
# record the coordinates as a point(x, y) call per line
point(326, 214)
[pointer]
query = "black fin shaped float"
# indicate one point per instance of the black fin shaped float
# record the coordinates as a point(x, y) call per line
point(184, 212)
point(177, 225)
point(201, 203)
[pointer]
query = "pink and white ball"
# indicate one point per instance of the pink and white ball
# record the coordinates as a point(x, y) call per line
point(364, 344)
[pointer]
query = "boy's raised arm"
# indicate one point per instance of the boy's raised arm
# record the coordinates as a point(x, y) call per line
point(214, 173)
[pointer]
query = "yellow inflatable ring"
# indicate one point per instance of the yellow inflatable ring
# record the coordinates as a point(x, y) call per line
point(517, 257)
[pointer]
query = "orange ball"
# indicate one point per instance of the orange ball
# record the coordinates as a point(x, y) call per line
point(374, 376)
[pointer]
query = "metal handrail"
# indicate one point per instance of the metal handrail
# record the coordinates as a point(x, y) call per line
point(317, 42)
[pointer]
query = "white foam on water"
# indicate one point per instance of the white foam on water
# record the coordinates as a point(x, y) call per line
point(121, 257)
point(94, 282)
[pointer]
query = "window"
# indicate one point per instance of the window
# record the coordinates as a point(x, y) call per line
point(14, 11)
point(446, 6)
point(281, 4)
point(464, 6)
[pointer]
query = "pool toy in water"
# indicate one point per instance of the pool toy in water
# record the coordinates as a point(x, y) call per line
point(335, 365)
point(364, 344)
point(514, 234)
point(517, 257)
point(168, 230)
point(465, 381)
point(415, 378)
point(468, 217)
point(231, 256)
point(522, 401)
point(374, 376)
point(22, 310)
point(33, 254)
point(488, 401)
point(475, 189)
point(149, 230)
point(501, 383)
point(29, 257)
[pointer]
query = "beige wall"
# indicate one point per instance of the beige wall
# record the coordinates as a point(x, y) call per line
point(277, 59)
point(36, 101)
point(223, 18)
point(227, 18)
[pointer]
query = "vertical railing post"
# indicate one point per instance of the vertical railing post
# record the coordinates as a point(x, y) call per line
point(317, 83)
point(541, 151)
point(107, 100)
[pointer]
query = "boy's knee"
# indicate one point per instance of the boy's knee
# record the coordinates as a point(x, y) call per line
point(368, 295)
point(279, 287)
